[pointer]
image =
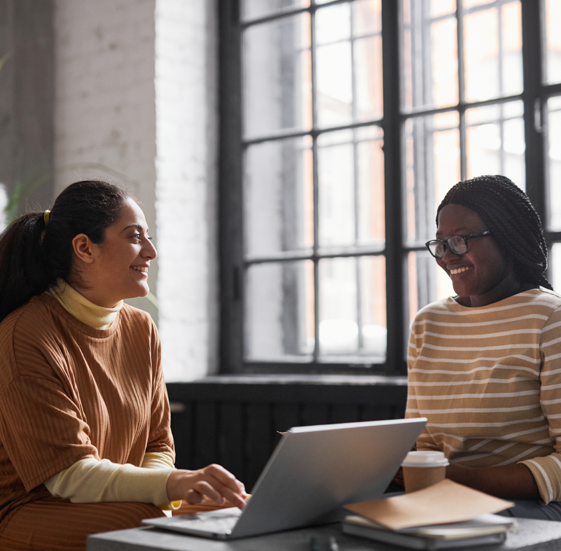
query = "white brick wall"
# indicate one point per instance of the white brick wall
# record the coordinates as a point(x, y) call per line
point(186, 182)
point(144, 106)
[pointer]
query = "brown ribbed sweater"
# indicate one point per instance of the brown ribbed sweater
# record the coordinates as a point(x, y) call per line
point(68, 391)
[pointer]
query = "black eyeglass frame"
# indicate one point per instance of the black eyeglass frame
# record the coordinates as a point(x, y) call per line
point(445, 243)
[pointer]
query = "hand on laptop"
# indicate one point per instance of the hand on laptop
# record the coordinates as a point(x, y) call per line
point(213, 482)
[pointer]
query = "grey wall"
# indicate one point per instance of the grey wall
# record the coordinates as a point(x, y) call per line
point(27, 97)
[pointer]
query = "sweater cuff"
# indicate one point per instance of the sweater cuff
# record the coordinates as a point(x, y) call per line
point(547, 474)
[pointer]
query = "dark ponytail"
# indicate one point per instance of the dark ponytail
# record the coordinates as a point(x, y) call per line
point(35, 254)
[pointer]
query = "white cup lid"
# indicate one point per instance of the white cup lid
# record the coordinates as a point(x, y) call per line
point(425, 459)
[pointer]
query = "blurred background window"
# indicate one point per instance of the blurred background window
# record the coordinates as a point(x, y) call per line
point(344, 124)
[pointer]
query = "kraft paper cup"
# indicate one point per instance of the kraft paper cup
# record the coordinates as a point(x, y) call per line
point(422, 469)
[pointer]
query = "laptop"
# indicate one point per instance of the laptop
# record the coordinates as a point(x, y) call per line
point(311, 474)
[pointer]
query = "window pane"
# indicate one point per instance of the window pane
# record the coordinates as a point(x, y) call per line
point(333, 24)
point(278, 197)
point(372, 314)
point(442, 7)
point(554, 187)
point(371, 217)
point(553, 40)
point(555, 264)
point(280, 311)
point(336, 189)
point(334, 84)
point(277, 76)
point(351, 187)
point(432, 153)
point(352, 296)
point(334, 65)
point(493, 67)
point(252, 9)
point(368, 78)
point(367, 17)
point(471, 3)
point(430, 57)
point(425, 282)
point(367, 20)
point(348, 62)
point(495, 141)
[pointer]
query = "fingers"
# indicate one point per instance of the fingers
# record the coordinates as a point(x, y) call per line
point(213, 482)
point(225, 478)
point(224, 484)
point(193, 497)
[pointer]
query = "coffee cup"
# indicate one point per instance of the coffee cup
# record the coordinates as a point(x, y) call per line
point(422, 469)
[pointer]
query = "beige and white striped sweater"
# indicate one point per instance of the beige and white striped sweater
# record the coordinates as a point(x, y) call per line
point(489, 381)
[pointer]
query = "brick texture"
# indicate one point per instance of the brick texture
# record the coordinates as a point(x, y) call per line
point(136, 104)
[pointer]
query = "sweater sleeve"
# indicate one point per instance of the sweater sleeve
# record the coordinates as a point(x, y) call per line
point(91, 481)
point(160, 438)
point(411, 409)
point(547, 470)
point(155, 460)
point(425, 440)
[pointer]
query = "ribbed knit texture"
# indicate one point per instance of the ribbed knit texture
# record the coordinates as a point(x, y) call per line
point(489, 381)
point(68, 392)
point(52, 524)
point(90, 480)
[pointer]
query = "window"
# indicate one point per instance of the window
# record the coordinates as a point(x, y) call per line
point(344, 123)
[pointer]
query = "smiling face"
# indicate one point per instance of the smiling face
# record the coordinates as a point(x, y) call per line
point(117, 268)
point(482, 275)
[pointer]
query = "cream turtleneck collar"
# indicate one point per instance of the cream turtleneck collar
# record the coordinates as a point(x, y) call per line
point(81, 308)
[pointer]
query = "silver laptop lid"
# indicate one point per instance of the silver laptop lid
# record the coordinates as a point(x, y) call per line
point(315, 470)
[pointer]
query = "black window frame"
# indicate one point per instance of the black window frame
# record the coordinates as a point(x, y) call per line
point(232, 265)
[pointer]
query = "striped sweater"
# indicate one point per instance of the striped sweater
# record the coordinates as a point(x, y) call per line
point(489, 381)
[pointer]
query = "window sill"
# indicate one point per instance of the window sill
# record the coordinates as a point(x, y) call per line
point(311, 379)
point(375, 390)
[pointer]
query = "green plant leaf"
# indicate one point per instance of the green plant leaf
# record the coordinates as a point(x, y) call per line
point(153, 299)
point(5, 58)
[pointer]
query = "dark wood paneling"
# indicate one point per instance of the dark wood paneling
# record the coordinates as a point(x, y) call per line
point(260, 440)
point(182, 428)
point(315, 414)
point(206, 433)
point(232, 437)
point(237, 424)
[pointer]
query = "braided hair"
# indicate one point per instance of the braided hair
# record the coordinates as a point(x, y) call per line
point(514, 223)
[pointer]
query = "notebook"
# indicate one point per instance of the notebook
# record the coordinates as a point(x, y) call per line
point(311, 474)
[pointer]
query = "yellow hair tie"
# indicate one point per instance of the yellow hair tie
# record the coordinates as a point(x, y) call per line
point(46, 215)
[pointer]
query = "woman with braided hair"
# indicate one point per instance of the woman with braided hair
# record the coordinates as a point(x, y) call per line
point(484, 366)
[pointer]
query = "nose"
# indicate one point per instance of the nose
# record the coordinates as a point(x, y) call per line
point(448, 254)
point(149, 250)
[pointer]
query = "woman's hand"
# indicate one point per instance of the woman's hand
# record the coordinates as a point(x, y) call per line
point(507, 481)
point(213, 482)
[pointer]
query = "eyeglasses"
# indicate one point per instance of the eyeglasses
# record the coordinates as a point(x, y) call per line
point(458, 244)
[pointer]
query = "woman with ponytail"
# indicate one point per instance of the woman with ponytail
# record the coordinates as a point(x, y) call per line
point(484, 366)
point(85, 440)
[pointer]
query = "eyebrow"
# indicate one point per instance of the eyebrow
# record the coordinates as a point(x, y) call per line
point(136, 226)
point(457, 231)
